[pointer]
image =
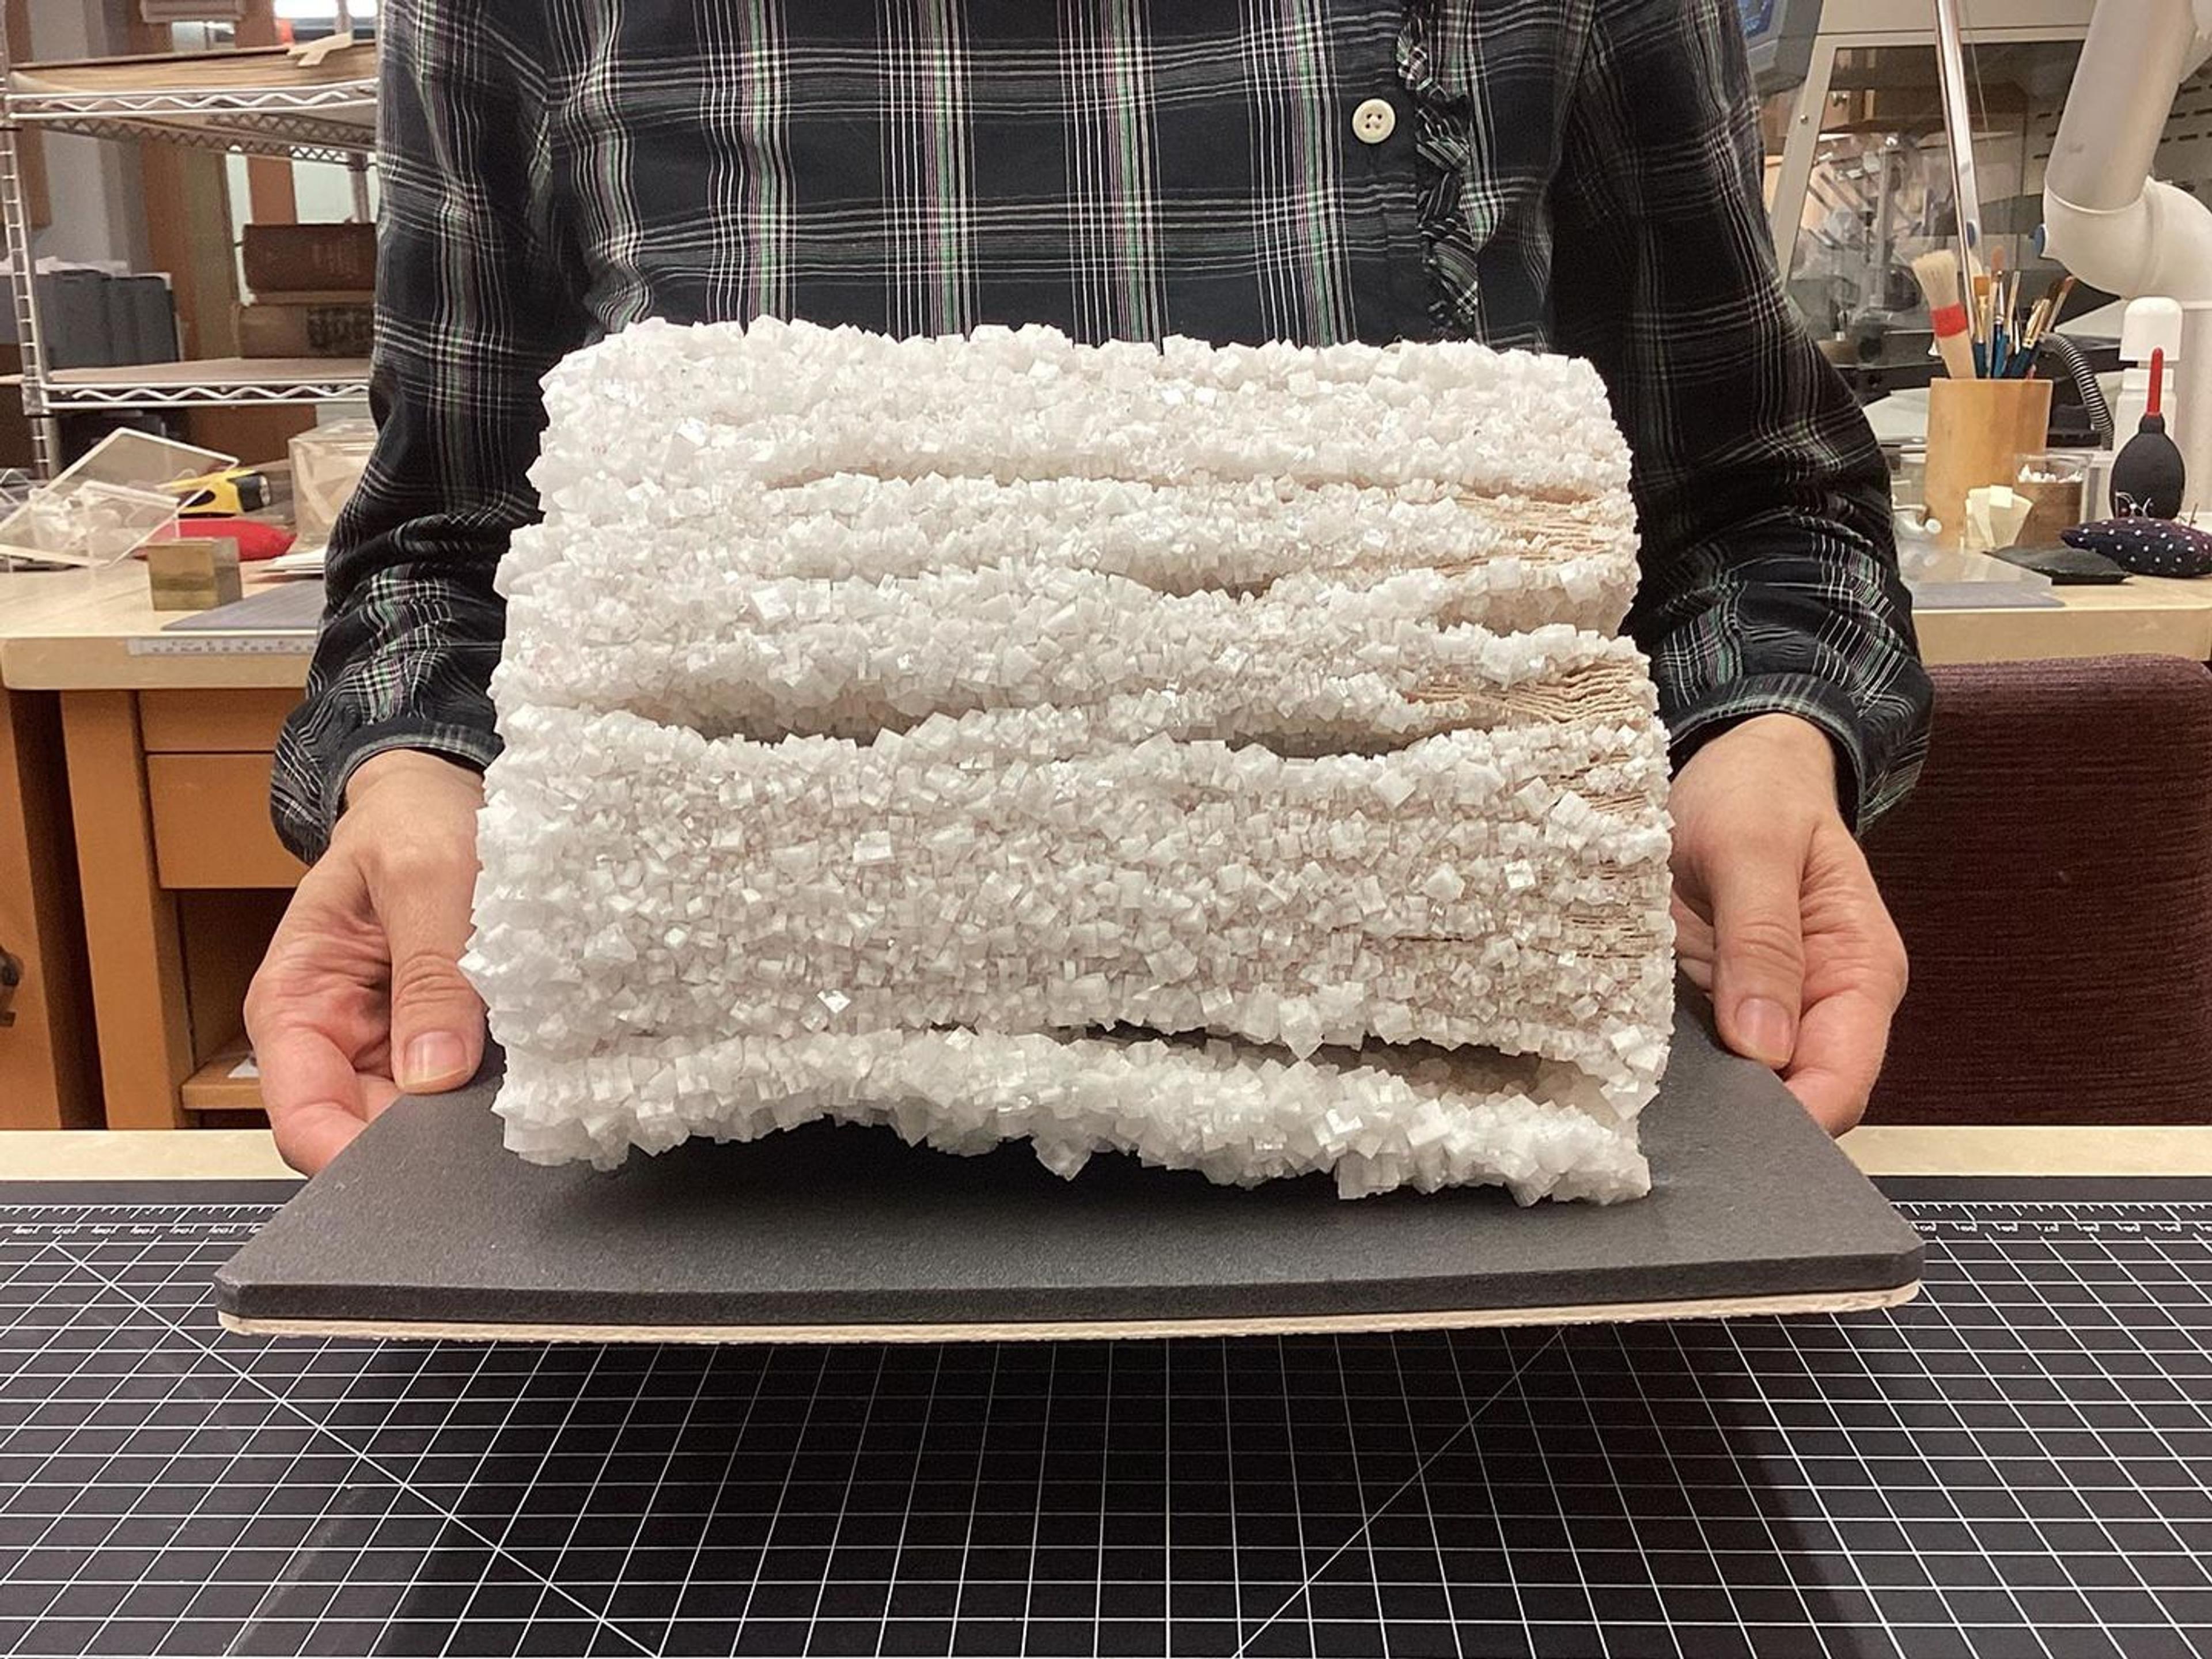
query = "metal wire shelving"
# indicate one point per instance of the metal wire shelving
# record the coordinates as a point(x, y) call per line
point(320, 107)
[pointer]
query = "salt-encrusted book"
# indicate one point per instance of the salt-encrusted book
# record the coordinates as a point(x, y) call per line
point(1228, 756)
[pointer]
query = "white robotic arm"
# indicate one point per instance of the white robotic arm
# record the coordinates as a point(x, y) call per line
point(2107, 221)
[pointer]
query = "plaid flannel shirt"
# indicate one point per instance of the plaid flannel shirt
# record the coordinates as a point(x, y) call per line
point(1572, 175)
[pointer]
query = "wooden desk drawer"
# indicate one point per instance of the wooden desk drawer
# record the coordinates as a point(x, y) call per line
point(211, 825)
point(212, 722)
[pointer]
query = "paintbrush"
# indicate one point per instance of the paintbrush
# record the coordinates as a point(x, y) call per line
point(1938, 274)
point(2045, 317)
point(1980, 321)
point(2054, 301)
point(2037, 320)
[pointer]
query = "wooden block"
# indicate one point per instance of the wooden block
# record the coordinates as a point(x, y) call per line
point(211, 824)
point(193, 573)
point(427, 1226)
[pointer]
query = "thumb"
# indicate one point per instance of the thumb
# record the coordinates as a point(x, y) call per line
point(437, 1018)
point(1758, 971)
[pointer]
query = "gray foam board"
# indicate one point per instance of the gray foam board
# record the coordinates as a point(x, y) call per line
point(425, 1218)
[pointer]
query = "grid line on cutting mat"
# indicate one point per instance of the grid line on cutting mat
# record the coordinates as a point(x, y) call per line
point(2018, 1465)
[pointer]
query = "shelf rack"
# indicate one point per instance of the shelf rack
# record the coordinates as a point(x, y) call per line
point(264, 103)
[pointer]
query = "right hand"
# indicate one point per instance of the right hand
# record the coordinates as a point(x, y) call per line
point(1777, 916)
point(360, 997)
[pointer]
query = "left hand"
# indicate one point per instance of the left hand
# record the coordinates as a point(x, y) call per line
point(1776, 916)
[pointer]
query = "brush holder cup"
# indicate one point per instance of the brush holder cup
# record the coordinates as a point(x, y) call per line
point(1977, 430)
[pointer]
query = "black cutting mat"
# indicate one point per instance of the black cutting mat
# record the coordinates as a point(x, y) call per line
point(2020, 1464)
point(289, 607)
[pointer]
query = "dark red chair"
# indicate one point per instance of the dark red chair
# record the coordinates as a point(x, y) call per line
point(2053, 878)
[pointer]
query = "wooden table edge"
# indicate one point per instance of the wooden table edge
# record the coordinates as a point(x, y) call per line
point(1915, 1149)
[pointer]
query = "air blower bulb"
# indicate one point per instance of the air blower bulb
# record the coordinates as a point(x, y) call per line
point(2148, 475)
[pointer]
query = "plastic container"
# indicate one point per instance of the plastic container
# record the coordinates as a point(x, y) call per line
point(2056, 482)
point(106, 505)
point(327, 462)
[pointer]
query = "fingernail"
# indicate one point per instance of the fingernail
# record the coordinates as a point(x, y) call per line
point(432, 1060)
point(1768, 1031)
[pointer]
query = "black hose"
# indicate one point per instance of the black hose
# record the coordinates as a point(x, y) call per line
point(2076, 364)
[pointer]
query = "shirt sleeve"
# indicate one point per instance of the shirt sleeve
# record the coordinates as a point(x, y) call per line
point(473, 307)
point(1770, 571)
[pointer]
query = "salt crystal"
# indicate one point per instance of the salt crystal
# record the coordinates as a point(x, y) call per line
point(1161, 702)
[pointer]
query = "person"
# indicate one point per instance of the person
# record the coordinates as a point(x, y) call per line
point(1573, 175)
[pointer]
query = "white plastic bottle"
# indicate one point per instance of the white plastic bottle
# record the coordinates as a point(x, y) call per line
point(2149, 324)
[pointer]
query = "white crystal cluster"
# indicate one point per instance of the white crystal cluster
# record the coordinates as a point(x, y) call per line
point(1224, 756)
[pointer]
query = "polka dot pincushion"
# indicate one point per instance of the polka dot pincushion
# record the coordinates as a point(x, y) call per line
point(2146, 547)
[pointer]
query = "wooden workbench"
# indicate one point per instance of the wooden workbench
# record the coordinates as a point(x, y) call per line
point(180, 874)
point(83, 630)
point(2143, 616)
point(168, 760)
point(88, 631)
point(1880, 1150)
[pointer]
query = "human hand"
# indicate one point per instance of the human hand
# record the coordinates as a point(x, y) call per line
point(360, 999)
point(1776, 916)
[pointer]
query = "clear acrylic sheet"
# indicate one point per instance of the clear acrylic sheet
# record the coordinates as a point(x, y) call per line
point(107, 504)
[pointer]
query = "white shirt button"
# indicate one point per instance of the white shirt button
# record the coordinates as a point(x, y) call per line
point(1374, 121)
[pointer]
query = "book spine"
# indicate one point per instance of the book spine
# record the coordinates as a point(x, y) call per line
point(309, 258)
point(312, 330)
